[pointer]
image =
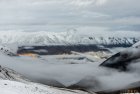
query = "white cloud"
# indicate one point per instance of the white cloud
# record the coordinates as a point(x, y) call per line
point(100, 2)
point(84, 3)
point(109, 13)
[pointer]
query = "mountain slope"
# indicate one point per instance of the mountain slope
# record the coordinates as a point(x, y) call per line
point(51, 43)
point(8, 74)
point(12, 82)
point(12, 87)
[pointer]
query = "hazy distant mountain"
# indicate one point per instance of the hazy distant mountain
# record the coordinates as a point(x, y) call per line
point(69, 38)
point(43, 42)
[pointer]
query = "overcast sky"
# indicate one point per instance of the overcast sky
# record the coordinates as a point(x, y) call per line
point(112, 14)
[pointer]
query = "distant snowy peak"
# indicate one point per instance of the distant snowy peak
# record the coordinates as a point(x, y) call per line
point(67, 38)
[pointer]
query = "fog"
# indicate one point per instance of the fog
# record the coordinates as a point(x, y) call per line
point(40, 70)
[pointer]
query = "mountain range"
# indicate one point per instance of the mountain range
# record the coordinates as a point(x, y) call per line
point(69, 38)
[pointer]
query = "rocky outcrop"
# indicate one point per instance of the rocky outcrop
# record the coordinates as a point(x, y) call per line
point(123, 58)
point(9, 74)
point(7, 51)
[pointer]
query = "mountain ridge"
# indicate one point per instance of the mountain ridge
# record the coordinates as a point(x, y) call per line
point(67, 38)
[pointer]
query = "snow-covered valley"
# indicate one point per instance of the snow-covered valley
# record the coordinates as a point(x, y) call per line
point(64, 72)
point(73, 71)
point(69, 47)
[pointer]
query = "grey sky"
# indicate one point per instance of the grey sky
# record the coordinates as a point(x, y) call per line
point(113, 14)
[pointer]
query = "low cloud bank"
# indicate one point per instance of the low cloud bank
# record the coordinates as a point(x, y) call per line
point(69, 74)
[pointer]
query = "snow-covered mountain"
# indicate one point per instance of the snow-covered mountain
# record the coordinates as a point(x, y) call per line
point(43, 42)
point(68, 38)
point(13, 87)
